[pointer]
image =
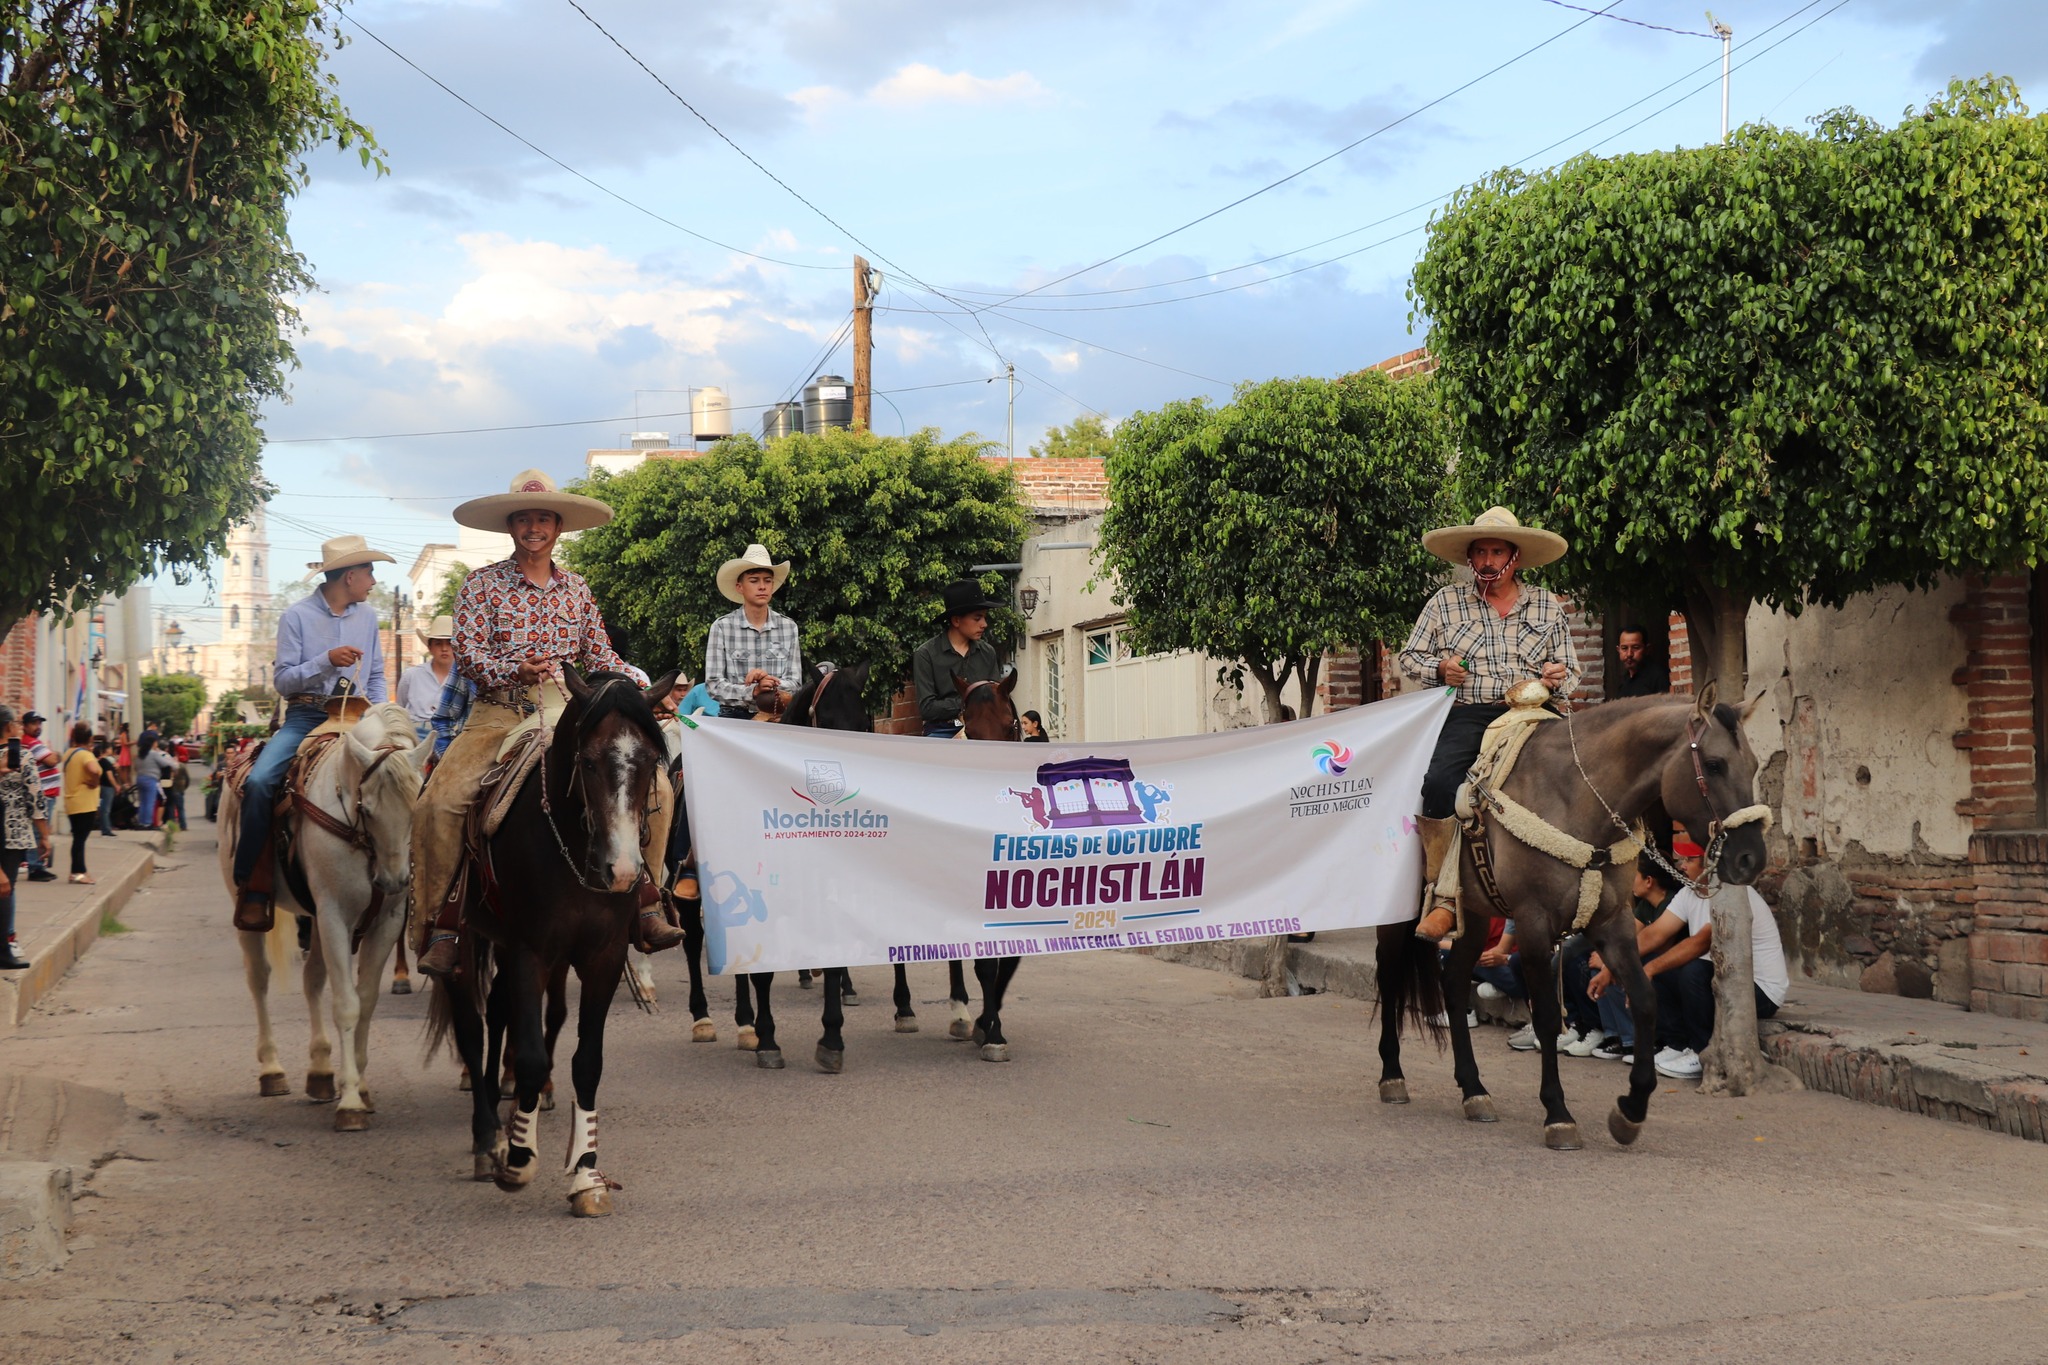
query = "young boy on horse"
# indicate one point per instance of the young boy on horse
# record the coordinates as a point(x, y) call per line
point(419, 687)
point(517, 622)
point(1482, 638)
point(753, 662)
point(959, 650)
point(323, 640)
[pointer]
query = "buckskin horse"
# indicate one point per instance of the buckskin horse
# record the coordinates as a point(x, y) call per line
point(555, 886)
point(350, 826)
point(1590, 778)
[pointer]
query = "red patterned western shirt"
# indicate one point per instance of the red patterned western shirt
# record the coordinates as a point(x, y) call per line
point(501, 620)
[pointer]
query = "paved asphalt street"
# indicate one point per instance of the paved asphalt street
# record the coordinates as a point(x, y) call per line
point(1170, 1169)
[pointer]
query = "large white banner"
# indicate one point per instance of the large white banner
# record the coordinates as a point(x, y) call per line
point(819, 848)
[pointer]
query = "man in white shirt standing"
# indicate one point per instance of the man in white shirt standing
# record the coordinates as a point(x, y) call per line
point(1683, 974)
point(419, 687)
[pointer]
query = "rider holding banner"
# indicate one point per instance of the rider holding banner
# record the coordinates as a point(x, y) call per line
point(325, 640)
point(1481, 638)
point(517, 622)
point(958, 650)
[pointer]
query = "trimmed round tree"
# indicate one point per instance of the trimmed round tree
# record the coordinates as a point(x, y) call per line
point(1279, 527)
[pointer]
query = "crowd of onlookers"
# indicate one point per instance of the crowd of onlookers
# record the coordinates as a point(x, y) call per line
point(96, 783)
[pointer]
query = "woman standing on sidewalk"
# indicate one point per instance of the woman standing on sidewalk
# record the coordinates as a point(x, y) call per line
point(22, 828)
point(81, 797)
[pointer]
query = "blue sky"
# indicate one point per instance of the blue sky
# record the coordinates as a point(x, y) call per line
point(978, 151)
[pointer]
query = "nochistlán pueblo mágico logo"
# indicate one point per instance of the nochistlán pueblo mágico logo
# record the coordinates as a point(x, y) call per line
point(826, 809)
point(1336, 791)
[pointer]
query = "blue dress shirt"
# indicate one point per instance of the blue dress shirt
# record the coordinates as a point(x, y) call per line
point(308, 630)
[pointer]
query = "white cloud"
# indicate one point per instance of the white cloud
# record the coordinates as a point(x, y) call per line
point(1064, 362)
point(918, 84)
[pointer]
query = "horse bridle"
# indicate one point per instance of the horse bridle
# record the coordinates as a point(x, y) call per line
point(818, 695)
point(1016, 721)
point(547, 808)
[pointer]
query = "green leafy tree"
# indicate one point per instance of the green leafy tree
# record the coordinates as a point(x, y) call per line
point(1787, 370)
point(875, 527)
point(148, 150)
point(451, 588)
point(227, 707)
point(172, 700)
point(1278, 527)
point(1085, 436)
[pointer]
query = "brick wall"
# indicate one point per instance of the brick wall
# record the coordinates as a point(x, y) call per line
point(1998, 676)
point(18, 665)
point(1681, 654)
point(2009, 944)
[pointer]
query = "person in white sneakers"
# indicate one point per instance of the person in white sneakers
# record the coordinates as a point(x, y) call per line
point(1683, 973)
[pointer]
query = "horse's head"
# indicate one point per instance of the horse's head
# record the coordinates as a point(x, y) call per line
point(985, 708)
point(1709, 785)
point(831, 701)
point(612, 754)
point(387, 763)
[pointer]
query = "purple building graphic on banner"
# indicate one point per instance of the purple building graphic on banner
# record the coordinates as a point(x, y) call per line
point(1086, 793)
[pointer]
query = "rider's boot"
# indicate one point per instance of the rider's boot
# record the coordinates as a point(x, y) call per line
point(658, 928)
point(255, 910)
point(439, 958)
point(1439, 841)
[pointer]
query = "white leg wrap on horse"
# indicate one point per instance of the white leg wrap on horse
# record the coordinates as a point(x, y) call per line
point(524, 1129)
point(582, 1135)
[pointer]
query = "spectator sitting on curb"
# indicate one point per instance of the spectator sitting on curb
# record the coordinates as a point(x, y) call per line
point(1605, 1027)
point(1683, 972)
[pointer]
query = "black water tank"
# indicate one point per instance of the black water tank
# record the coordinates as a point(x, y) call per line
point(828, 402)
point(784, 419)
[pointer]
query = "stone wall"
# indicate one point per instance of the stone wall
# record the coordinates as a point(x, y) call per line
point(18, 665)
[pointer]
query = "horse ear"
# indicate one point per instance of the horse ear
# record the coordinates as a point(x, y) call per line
point(421, 754)
point(1703, 704)
point(1749, 707)
point(1008, 684)
point(359, 751)
point(961, 684)
point(857, 677)
point(578, 688)
point(662, 686)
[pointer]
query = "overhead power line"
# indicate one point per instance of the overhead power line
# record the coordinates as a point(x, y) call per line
point(546, 155)
point(1624, 19)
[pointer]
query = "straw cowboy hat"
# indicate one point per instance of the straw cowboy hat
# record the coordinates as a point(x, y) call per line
point(442, 627)
point(345, 552)
point(756, 557)
point(1496, 523)
point(532, 491)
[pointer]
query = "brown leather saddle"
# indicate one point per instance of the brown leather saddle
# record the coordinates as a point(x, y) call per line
point(475, 881)
point(281, 859)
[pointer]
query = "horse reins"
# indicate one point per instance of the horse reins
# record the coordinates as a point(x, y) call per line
point(547, 808)
point(1016, 722)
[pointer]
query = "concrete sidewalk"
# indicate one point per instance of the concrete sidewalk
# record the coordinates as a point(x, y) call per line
point(56, 922)
point(1916, 1055)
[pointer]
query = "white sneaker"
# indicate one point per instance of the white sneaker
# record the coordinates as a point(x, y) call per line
point(1684, 1066)
point(1490, 994)
point(1584, 1043)
point(1567, 1040)
point(1523, 1039)
point(1442, 1019)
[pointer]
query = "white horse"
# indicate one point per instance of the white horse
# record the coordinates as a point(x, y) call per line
point(366, 784)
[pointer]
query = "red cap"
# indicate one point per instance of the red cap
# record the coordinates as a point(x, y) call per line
point(1682, 846)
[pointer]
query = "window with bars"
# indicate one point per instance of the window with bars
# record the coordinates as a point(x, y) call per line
point(1055, 714)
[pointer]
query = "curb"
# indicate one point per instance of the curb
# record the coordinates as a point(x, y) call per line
point(19, 993)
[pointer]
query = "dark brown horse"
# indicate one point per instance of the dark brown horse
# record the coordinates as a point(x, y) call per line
point(1652, 759)
point(986, 712)
point(556, 889)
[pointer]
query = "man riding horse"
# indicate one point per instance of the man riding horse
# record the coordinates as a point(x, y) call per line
point(326, 643)
point(1482, 638)
point(517, 622)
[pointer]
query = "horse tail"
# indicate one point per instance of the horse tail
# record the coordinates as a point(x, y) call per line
point(279, 943)
point(440, 1019)
point(1411, 986)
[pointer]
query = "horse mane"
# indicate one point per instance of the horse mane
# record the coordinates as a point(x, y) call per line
point(628, 703)
point(801, 708)
point(393, 722)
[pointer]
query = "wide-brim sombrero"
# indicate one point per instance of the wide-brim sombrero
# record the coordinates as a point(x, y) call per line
point(756, 557)
point(532, 491)
point(1538, 547)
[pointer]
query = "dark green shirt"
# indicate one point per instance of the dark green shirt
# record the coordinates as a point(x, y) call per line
point(933, 668)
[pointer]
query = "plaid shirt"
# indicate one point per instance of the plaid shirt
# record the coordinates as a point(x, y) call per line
point(501, 619)
point(452, 713)
point(1498, 651)
point(733, 648)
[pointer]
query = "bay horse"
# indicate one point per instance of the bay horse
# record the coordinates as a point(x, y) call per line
point(557, 890)
point(986, 712)
point(1647, 759)
point(352, 832)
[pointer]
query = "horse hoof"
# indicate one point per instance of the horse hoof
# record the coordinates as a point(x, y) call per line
point(547, 1099)
point(831, 1061)
point(320, 1087)
point(906, 1023)
point(703, 1031)
point(273, 1085)
point(1562, 1137)
point(512, 1178)
point(369, 1105)
point(769, 1059)
point(749, 1040)
point(1621, 1128)
point(959, 1028)
point(485, 1168)
point(849, 998)
point(402, 986)
point(351, 1120)
point(1479, 1109)
point(1394, 1091)
point(463, 1084)
point(995, 1052)
point(595, 1203)
point(979, 1036)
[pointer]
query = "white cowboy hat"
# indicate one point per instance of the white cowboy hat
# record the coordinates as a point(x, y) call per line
point(442, 627)
point(345, 552)
point(1496, 523)
point(756, 557)
point(532, 491)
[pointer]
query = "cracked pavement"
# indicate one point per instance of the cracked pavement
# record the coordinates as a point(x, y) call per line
point(1171, 1169)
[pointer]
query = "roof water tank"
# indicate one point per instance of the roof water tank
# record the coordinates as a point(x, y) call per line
point(828, 402)
point(648, 440)
point(710, 418)
point(784, 419)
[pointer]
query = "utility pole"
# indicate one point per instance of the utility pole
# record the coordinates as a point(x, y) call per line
point(863, 345)
point(1727, 36)
point(1012, 424)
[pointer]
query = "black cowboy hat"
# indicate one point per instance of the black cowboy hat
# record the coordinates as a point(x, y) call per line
point(965, 596)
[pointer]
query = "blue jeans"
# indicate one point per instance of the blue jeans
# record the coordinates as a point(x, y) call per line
point(174, 808)
point(147, 789)
point(1610, 1013)
point(107, 807)
point(941, 729)
point(259, 793)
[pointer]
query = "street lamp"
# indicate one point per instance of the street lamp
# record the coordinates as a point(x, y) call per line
point(1027, 600)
